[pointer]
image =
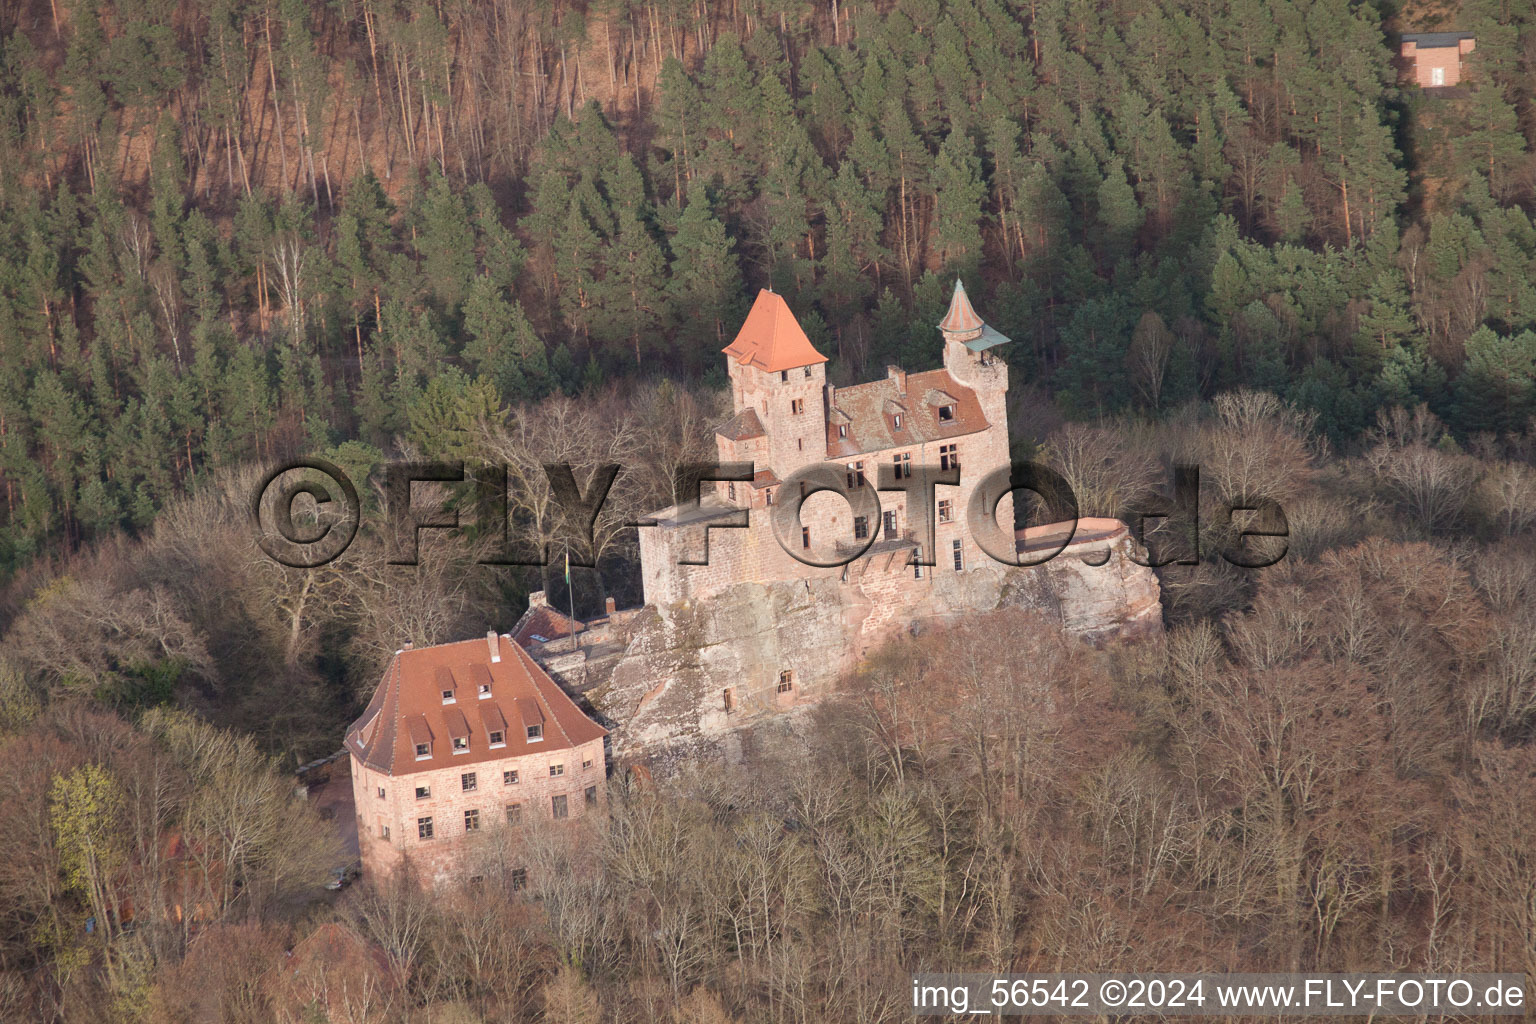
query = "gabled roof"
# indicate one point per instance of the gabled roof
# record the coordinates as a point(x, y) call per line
point(771, 338)
point(868, 410)
point(408, 709)
point(742, 426)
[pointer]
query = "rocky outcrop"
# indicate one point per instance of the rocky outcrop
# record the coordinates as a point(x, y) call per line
point(695, 673)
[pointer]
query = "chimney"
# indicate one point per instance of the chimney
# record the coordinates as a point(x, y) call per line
point(608, 606)
point(898, 375)
point(493, 642)
point(537, 600)
point(831, 391)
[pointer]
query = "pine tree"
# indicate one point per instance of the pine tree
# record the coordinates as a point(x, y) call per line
point(445, 242)
point(1497, 387)
point(958, 196)
point(705, 287)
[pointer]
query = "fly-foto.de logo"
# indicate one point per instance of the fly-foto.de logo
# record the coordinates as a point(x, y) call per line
point(306, 534)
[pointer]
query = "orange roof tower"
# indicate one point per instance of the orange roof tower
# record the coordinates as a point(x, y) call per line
point(771, 338)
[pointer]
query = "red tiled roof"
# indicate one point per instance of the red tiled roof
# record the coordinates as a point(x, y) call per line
point(542, 624)
point(867, 412)
point(408, 708)
point(771, 339)
point(961, 316)
point(742, 426)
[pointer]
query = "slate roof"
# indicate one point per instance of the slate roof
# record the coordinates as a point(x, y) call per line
point(867, 410)
point(771, 339)
point(408, 705)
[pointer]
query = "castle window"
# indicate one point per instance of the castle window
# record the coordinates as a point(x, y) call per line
point(461, 744)
point(586, 763)
point(959, 557)
point(424, 828)
point(949, 456)
point(805, 536)
point(903, 465)
point(558, 808)
point(800, 443)
point(536, 731)
point(384, 832)
point(768, 497)
point(423, 792)
point(807, 373)
point(786, 680)
point(946, 413)
point(498, 738)
point(423, 751)
point(890, 524)
point(509, 778)
point(591, 796)
point(855, 474)
point(519, 879)
point(514, 814)
point(556, 770)
point(797, 405)
point(467, 781)
point(842, 431)
point(730, 492)
point(472, 821)
point(381, 792)
point(860, 527)
point(946, 510)
point(728, 700)
point(917, 570)
point(784, 376)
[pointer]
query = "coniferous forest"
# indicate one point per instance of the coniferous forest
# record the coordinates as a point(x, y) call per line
point(234, 230)
point(1219, 233)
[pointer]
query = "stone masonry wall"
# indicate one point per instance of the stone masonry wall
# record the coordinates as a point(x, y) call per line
point(694, 672)
point(399, 808)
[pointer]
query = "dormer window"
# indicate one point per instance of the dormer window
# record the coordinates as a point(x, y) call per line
point(896, 421)
point(498, 739)
point(536, 732)
point(484, 690)
point(423, 751)
point(461, 744)
point(946, 413)
point(448, 697)
point(842, 432)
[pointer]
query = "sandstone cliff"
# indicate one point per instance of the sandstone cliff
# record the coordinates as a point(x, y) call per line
point(694, 673)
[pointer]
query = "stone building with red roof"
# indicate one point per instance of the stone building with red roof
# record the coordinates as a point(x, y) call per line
point(787, 417)
point(462, 738)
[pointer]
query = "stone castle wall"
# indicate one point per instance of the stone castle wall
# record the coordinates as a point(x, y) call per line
point(399, 808)
point(695, 672)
